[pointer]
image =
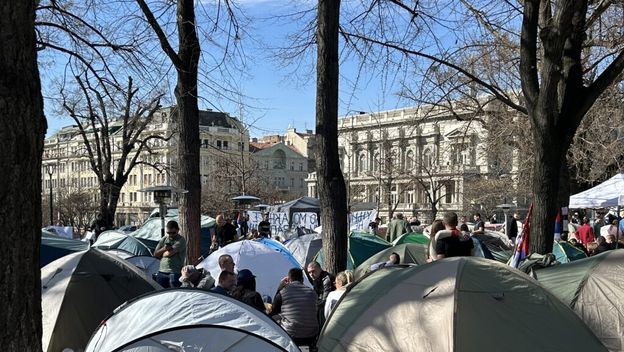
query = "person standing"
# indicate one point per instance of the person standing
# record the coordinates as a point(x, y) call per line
point(295, 310)
point(264, 227)
point(513, 228)
point(224, 233)
point(455, 245)
point(171, 250)
point(398, 226)
point(585, 233)
point(479, 226)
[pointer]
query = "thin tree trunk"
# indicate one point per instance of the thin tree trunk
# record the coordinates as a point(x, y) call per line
point(188, 126)
point(331, 186)
point(22, 130)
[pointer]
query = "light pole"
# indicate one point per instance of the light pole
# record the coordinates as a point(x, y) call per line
point(50, 170)
point(506, 207)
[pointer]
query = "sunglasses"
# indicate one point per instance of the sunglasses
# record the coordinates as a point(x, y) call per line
point(171, 232)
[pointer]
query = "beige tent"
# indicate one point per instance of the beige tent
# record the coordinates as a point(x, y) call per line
point(79, 290)
point(455, 304)
point(594, 288)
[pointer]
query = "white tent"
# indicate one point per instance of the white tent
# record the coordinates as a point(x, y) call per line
point(268, 265)
point(186, 319)
point(607, 194)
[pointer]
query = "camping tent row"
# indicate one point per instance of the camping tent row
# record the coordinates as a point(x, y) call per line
point(189, 320)
point(456, 304)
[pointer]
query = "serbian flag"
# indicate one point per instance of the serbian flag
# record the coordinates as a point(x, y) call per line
point(558, 226)
point(521, 250)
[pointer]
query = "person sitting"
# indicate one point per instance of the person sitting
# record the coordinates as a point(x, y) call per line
point(603, 246)
point(245, 290)
point(294, 309)
point(578, 245)
point(227, 282)
point(226, 263)
point(343, 280)
point(197, 278)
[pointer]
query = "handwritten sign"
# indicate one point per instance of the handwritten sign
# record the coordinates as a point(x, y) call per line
point(359, 220)
point(279, 223)
point(305, 220)
point(254, 219)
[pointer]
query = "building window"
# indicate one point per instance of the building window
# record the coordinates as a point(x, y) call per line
point(225, 145)
point(409, 160)
point(362, 163)
point(292, 166)
point(292, 182)
point(427, 158)
point(279, 159)
point(218, 144)
point(300, 166)
point(376, 162)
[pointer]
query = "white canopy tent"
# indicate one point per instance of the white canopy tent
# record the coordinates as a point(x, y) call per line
point(606, 195)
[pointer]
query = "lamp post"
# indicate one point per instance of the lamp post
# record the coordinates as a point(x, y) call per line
point(506, 207)
point(162, 197)
point(50, 170)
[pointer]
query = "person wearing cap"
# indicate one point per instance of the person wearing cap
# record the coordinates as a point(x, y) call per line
point(245, 290)
point(197, 278)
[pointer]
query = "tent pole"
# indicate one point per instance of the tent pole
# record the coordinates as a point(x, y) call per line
point(617, 239)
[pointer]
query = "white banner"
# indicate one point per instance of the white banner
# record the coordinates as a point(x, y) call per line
point(279, 223)
point(359, 220)
point(254, 219)
point(305, 220)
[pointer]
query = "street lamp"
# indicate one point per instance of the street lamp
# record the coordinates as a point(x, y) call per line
point(506, 207)
point(162, 197)
point(50, 170)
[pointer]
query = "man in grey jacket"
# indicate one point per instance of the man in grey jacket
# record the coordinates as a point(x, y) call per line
point(294, 308)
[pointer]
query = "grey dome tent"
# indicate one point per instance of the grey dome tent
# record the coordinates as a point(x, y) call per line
point(186, 319)
point(305, 247)
point(594, 288)
point(79, 290)
point(148, 264)
point(458, 304)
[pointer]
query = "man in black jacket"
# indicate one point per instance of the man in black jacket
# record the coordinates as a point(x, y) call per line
point(323, 283)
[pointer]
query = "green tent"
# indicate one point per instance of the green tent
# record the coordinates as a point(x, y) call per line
point(566, 252)
point(594, 288)
point(150, 232)
point(54, 247)
point(113, 239)
point(411, 237)
point(459, 304)
point(362, 245)
point(410, 253)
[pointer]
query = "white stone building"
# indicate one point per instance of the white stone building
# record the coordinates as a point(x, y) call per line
point(401, 159)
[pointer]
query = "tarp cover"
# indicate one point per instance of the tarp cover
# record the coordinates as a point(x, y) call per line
point(605, 195)
point(148, 264)
point(224, 321)
point(280, 248)
point(456, 304)
point(114, 239)
point(594, 288)
point(300, 205)
point(410, 253)
point(269, 266)
point(81, 289)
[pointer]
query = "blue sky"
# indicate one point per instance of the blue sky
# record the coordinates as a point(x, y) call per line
point(277, 98)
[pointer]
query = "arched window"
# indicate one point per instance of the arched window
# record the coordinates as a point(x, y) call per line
point(427, 158)
point(409, 161)
point(362, 163)
point(279, 159)
point(376, 162)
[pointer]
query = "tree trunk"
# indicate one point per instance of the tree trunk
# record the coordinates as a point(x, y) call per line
point(22, 130)
point(188, 129)
point(546, 171)
point(331, 186)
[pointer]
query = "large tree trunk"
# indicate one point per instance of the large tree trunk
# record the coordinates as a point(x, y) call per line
point(109, 198)
point(22, 130)
point(188, 127)
point(546, 172)
point(331, 186)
